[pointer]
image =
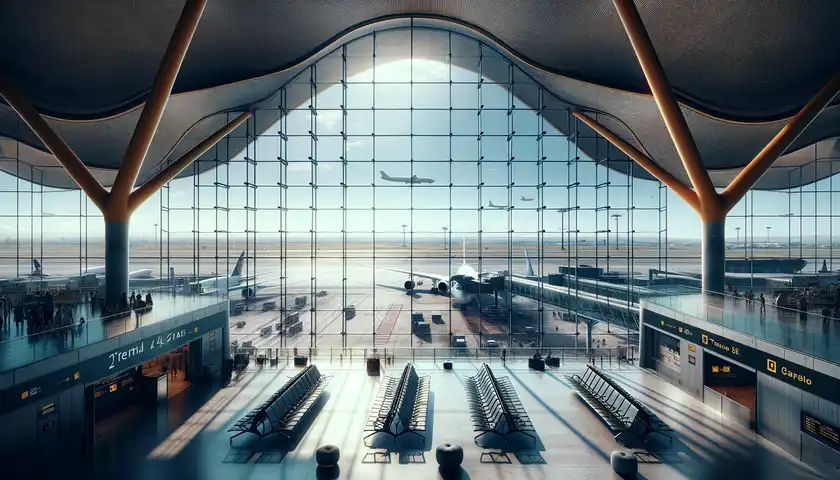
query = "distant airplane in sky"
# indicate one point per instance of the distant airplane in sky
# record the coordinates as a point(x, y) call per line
point(412, 179)
point(526, 199)
point(500, 207)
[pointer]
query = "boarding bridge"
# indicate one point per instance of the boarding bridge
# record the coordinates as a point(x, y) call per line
point(589, 307)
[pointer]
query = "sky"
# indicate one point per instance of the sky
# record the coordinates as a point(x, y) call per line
point(508, 170)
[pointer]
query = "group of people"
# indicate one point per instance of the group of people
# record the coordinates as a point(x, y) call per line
point(749, 296)
point(128, 303)
point(35, 314)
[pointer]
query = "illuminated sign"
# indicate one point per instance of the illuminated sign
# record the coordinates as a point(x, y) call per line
point(819, 384)
point(159, 342)
point(112, 388)
point(824, 432)
point(48, 408)
point(691, 347)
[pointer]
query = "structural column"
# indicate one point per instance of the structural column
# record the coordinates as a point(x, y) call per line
point(713, 253)
point(116, 260)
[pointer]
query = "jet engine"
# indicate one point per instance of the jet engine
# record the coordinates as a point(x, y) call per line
point(409, 285)
point(442, 287)
point(248, 293)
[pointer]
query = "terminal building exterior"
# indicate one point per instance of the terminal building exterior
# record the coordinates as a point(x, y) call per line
point(190, 187)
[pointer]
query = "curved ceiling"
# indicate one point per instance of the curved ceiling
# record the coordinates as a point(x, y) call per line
point(739, 69)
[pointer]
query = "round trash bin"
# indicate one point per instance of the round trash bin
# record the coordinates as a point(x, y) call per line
point(449, 456)
point(327, 456)
point(625, 464)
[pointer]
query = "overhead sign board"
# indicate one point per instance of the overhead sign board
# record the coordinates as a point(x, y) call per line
point(820, 384)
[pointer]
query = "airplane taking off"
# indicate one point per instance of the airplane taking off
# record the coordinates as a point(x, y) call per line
point(230, 283)
point(490, 204)
point(526, 199)
point(412, 179)
point(463, 284)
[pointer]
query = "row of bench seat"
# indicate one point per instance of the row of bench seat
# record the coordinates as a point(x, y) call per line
point(495, 407)
point(626, 417)
point(285, 408)
point(401, 405)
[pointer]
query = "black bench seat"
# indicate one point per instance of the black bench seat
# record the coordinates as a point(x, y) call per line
point(625, 416)
point(495, 407)
point(401, 405)
point(285, 408)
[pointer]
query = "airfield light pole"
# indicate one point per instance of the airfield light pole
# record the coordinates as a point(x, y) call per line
point(403, 227)
point(155, 232)
point(563, 212)
point(768, 227)
point(445, 229)
point(737, 236)
point(616, 216)
point(789, 216)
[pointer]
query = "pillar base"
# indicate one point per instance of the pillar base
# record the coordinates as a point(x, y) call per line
point(116, 261)
point(714, 257)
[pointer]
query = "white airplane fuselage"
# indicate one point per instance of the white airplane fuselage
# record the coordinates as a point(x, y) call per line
point(142, 273)
point(456, 291)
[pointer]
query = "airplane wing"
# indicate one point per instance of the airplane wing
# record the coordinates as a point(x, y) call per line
point(429, 276)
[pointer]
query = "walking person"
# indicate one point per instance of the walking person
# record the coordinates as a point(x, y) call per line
point(763, 303)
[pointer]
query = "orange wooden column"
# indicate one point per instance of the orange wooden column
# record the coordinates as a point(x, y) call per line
point(711, 206)
point(118, 204)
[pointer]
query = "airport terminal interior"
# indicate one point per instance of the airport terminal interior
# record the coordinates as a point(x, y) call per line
point(408, 240)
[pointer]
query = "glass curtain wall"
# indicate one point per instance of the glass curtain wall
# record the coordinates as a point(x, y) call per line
point(347, 243)
point(390, 188)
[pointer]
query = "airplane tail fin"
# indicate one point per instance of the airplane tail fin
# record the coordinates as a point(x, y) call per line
point(490, 204)
point(237, 269)
point(36, 266)
point(529, 269)
point(384, 175)
point(464, 245)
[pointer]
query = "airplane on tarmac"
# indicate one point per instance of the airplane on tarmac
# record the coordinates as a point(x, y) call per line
point(465, 283)
point(526, 199)
point(500, 207)
point(233, 282)
point(38, 272)
point(412, 179)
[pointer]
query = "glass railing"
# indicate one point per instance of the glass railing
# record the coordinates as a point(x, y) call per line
point(22, 348)
point(805, 332)
point(605, 357)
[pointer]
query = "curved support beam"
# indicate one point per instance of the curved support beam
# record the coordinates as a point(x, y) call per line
point(779, 144)
point(63, 153)
point(667, 103)
point(166, 175)
point(149, 120)
point(681, 189)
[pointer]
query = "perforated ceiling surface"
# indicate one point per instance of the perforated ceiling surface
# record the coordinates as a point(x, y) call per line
point(740, 66)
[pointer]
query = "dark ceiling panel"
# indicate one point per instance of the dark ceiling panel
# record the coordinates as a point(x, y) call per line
point(725, 58)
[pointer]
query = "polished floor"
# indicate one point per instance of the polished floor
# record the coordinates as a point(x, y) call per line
point(188, 439)
point(811, 334)
point(18, 349)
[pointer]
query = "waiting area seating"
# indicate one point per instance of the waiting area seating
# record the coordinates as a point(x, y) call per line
point(401, 405)
point(284, 410)
point(626, 417)
point(495, 407)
